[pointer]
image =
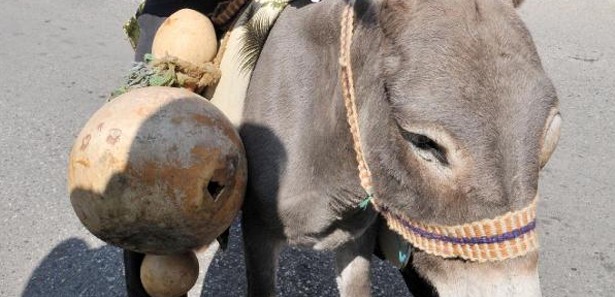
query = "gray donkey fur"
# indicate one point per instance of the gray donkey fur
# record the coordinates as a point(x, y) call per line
point(452, 101)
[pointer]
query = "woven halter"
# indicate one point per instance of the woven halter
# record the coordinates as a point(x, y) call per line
point(505, 237)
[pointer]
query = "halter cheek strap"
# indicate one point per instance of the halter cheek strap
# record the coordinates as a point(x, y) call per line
point(505, 237)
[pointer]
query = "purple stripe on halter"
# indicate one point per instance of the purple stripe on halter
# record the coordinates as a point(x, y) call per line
point(465, 240)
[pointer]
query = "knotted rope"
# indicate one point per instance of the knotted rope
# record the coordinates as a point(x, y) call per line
point(188, 75)
point(505, 237)
point(171, 72)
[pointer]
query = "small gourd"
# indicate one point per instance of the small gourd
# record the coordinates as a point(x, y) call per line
point(187, 35)
point(169, 275)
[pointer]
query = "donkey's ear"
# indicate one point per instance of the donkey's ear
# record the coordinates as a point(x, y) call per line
point(517, 2)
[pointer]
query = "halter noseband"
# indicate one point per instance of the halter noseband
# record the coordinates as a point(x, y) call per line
point(505, 237)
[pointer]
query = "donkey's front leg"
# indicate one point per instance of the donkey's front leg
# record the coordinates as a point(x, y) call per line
point(353, 263)
point(261, 254)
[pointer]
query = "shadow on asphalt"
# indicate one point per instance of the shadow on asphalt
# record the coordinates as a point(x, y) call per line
point(73, 269)
point(300, 273)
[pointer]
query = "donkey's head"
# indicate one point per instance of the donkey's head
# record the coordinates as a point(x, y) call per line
point(468, 121)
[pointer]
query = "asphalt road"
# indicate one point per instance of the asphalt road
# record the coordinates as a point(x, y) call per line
point(60, 58)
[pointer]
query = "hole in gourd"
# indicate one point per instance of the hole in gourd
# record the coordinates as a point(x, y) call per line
point(215, 189)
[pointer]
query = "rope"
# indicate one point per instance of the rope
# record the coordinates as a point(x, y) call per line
point(222, 50)
point(171, 72)
point(350, 97)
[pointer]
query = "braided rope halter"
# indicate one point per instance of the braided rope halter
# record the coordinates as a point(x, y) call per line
point(505, 237)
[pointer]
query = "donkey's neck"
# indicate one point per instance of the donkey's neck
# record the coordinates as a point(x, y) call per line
point(294, 124)
point(366, 56)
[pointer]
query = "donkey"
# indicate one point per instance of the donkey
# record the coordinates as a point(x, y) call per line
point(457, 118)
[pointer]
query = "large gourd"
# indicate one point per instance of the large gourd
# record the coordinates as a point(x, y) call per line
point(157, 170)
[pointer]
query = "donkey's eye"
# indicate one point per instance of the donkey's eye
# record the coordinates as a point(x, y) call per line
point(426, 147)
